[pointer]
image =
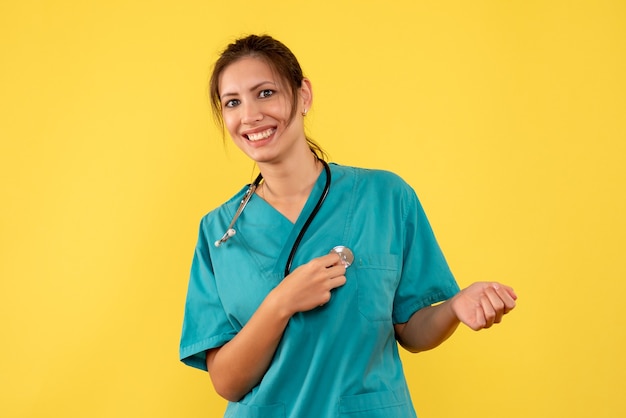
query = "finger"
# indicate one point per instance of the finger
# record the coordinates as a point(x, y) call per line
point(510, 291)
point(330, 260)
point(335, 270)
point(507, 295)
point(479, 318)
point(496, 302)
point(326, 298)
point(488, 311)
point(338, 281)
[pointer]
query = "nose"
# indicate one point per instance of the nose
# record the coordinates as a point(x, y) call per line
point(251, 112)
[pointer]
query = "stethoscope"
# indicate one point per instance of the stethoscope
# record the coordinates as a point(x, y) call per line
point(344, 252)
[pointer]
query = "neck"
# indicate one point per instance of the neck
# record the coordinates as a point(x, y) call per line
point(291, 180)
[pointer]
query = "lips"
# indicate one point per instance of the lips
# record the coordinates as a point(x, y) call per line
point(257, 136)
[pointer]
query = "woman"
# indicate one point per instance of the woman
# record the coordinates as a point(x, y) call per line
point(284, 326)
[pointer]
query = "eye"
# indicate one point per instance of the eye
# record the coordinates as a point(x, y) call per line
point(266, 93)
point(232, 103)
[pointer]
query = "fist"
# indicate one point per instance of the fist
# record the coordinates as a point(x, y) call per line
point(483, 304)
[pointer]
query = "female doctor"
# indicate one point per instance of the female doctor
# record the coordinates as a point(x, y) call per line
point(296, 310)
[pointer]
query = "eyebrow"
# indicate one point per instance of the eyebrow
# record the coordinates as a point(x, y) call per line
point(256, 86)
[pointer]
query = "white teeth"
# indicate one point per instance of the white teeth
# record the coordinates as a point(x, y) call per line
point(261, 135)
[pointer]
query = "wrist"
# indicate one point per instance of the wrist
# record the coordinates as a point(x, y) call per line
point(276, 302)
point(449, 307)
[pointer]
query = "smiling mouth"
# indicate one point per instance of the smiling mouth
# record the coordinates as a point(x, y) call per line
point(257, 136)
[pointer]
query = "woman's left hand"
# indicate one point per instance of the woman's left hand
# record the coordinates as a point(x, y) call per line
point(483, 304)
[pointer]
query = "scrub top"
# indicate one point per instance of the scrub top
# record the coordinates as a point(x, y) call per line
point(340, 359)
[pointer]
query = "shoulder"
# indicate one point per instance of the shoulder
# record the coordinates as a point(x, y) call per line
point(224, 211)
point(376, 180)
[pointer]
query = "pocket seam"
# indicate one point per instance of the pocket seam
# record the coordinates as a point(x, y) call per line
point(372, 263)
point(383, 400)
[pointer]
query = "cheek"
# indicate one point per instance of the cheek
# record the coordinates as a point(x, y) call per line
point(231, 122)
point(283, 106)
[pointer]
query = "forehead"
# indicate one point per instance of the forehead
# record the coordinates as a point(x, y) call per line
point(246, 73)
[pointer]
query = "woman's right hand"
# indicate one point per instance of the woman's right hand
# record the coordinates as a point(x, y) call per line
point(239, 365)
point(310, 285)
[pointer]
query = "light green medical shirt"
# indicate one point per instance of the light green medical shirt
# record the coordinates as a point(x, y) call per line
point(341, 359)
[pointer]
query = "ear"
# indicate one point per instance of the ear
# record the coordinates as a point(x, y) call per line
point(306, 95)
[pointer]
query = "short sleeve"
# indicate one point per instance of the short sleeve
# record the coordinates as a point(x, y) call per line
point(426, 277)
point(205, 323)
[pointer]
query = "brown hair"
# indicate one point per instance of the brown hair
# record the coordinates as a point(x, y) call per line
point(280, 59)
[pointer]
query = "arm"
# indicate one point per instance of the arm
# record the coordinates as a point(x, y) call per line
point(479, 306)
point(239, 365)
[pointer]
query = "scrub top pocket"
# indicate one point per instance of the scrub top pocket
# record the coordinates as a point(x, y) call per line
point(386, 404)
point(377, 278)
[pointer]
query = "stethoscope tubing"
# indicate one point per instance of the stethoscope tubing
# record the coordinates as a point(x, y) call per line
point(230, 231)
point(306, 225)
point(248, 195)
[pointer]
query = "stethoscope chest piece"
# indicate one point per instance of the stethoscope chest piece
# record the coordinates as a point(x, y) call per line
point(347, 258)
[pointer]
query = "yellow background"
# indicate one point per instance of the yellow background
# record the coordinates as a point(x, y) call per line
point(507, 117)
